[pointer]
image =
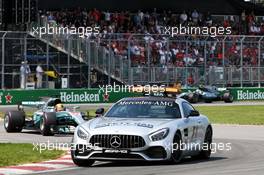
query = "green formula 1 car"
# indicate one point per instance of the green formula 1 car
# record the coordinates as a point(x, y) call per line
point(45, 119)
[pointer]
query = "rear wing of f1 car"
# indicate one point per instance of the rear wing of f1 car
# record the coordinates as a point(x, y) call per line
point(33, 104)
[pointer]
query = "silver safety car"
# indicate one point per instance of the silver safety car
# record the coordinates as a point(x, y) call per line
point(143, 128)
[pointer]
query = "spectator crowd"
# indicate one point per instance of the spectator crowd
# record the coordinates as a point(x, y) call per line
point(148, 45)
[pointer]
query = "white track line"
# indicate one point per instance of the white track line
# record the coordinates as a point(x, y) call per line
point(63, 161)
point(9, 171)
point(56, 166)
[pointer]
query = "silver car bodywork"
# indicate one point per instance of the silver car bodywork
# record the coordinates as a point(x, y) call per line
point(114, 138)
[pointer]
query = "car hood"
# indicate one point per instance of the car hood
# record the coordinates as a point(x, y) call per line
point(104, 125)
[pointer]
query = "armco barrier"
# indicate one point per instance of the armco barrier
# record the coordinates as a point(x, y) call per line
point(11, 97)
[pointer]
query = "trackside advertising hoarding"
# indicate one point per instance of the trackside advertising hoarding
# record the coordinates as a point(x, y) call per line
point(12, 97)
point(248, 94)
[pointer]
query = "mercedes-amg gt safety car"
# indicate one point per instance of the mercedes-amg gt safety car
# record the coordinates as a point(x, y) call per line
point(143, 128)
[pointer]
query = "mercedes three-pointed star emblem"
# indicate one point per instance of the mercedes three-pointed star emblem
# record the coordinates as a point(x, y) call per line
point(115, 142)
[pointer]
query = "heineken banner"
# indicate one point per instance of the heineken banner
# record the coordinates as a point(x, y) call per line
point(248, 93)
point(12, 97)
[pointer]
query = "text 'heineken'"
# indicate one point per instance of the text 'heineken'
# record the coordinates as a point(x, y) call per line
point(247, 95)
point(79, 97)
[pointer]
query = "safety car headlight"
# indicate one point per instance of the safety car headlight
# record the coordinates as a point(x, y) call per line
point(159, 135)
point(82, 134)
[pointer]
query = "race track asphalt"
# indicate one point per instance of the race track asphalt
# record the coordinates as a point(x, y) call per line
point(246, 156)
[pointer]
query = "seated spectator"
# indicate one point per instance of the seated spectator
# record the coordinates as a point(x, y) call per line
point(183, 18)
point(195, 16)
point(118, 27)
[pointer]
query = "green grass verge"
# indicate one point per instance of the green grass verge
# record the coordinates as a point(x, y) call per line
point(243, 115)
point(15, 153)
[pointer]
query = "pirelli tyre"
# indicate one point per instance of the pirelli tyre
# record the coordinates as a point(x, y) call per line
point(205, 153)
point(176, 154)
point(228, 97)
point(81, 162)
point(48, 120)
point(14, 121)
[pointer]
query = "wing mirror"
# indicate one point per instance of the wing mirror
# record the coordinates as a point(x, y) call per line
point(194, 113)
point(99, 112)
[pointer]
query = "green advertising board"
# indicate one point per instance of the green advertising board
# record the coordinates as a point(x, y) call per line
point(248, 93)
point(12, 97)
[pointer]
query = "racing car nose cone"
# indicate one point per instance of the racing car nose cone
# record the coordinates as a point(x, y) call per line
point(115, 142)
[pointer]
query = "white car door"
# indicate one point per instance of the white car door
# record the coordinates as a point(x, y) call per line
point(191, 129)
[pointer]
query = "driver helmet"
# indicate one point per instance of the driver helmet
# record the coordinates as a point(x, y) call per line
point(201, 86)
point(59, 107)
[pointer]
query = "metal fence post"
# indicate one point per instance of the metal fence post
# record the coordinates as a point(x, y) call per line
point(241, 62)
point(25, 57)
point(47, 63)
point(167, 59)
point(68, 61)
point(149, 62)
point(223, 57)
point(3, 60)
point(205, 61)
point(88, 55)
point(259, 55)
point(25, 48)
point(186, 67)
point(109, 62)
point(129, 63)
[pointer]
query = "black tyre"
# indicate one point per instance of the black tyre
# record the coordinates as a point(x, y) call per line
point(176, 154)
point(46, 122)
point(228, 98)
point(14, 121)
point(195, 98)
point(206, 152)
point(81, 162)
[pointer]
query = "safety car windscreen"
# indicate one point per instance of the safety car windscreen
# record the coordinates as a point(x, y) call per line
point(145, 109)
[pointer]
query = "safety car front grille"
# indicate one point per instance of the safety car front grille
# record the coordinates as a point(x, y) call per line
point(126, 141)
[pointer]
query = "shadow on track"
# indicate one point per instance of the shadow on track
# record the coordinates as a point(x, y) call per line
point(145, 163)
point(29, 132)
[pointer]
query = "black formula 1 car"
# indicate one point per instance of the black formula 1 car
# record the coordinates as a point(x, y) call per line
point(208, 94)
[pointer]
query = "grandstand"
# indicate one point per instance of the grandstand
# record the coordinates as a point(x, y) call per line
point(132, 47)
